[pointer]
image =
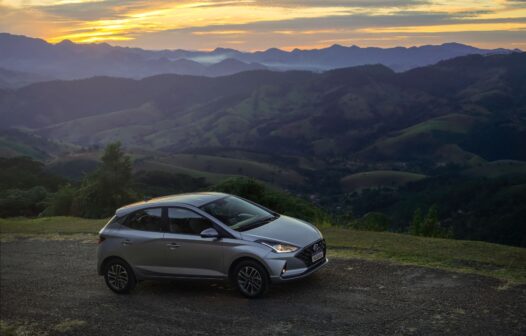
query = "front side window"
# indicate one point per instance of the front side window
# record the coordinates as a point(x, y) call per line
point(237, 213)
point(146, 220)
point(184, 221)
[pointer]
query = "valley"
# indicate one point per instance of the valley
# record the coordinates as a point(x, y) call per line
point(353, 141)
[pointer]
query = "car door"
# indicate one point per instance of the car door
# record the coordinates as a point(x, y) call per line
point(142, 240)
point(188, 254)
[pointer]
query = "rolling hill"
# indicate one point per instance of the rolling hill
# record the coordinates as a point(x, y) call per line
point(378, 179)
point(466, 109)
point(17, 79)
point(15, 142)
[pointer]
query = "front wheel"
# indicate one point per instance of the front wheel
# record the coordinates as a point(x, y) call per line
point(119, 276)
point(251, 279)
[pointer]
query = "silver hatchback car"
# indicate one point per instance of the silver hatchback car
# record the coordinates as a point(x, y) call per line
point(207, 236)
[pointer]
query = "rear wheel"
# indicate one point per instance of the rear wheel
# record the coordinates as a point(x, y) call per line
point(119, 276)
point(251, 279)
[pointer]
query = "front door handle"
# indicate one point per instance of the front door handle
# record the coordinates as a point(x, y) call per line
point(173, 246)
point(126, 242)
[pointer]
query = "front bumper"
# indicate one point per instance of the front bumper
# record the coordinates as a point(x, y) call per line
point(295, 265)
point(299, 273)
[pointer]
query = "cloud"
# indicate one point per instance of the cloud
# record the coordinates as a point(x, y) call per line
point(97, 10)
point(344, 3)
point(260, 24)
point(349, 21)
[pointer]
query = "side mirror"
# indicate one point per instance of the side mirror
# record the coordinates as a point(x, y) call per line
point(210, 233)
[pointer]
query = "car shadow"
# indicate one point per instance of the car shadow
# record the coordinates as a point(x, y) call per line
point(214, 288)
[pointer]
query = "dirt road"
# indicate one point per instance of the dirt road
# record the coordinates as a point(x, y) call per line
point(51, 288)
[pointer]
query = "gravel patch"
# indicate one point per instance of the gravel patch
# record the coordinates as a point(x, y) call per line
point(50, 287)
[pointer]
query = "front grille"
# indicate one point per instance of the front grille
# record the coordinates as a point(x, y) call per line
point(306, 253)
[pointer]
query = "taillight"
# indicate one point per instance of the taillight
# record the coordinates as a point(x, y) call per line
point(101, 239)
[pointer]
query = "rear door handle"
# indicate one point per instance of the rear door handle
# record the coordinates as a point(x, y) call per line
point(173, 246)
point(126, 242)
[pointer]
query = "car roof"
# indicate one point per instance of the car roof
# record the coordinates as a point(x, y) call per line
point(193, 199)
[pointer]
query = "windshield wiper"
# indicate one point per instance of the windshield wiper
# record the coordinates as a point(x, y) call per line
point(260, 222)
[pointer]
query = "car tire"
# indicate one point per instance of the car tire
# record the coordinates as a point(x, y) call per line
point(119, 276)
point(251, 279)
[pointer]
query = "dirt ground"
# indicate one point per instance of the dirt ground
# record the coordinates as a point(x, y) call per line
point(52, 288)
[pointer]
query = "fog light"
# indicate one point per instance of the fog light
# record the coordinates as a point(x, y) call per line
point(284, 269)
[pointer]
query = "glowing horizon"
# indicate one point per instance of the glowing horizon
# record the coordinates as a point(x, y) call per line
point(258, 25)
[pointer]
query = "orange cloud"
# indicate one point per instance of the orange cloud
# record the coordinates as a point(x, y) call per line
point(222, 32)
point(209, 23)
point(466, 27)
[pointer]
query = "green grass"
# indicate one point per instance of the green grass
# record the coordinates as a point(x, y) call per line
point(229, 166)
point(153, 165)
point(422, 134)
point(124, 124)
point(451, 123)
point(378, 178)
point(215, 169)
point(452, 153)
point(50, 225)
point(503, 262)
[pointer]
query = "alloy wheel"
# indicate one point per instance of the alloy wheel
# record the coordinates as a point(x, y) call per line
point(117, 276)
point(250, 280)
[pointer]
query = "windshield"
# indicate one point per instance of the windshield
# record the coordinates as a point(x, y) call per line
point(238, 214)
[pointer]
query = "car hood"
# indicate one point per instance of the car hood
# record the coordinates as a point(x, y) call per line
point(286, 229)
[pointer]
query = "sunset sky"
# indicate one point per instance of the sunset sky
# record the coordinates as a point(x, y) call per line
point(258, 24)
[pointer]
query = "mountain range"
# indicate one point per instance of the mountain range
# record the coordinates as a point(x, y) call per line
point(40, 60)
point(461, 110)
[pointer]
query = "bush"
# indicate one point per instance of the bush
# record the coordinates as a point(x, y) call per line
point(24, 173)
point(61, 202)
point(16, 202)
point(428, 226)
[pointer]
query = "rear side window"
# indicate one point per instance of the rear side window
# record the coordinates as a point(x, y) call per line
point(184, 221)
point(146, 220)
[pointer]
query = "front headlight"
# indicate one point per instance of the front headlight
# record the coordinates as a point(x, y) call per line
point(280, 247)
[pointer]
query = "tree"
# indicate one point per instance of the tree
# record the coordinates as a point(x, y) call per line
point(108, 188)
point(60, 203)
point(430, 225)
point(416, 224)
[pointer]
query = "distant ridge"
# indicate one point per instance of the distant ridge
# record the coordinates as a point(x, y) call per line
point(68, 60)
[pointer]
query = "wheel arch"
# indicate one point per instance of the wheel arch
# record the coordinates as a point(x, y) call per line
point(240, 259)
point(110, 258)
